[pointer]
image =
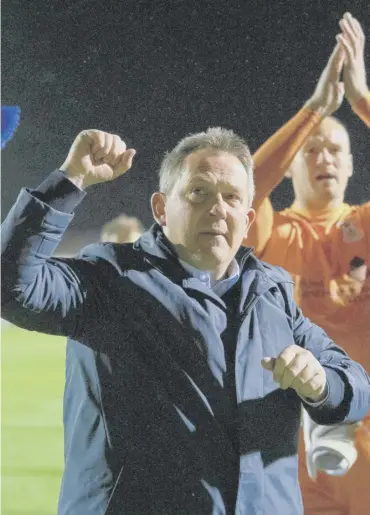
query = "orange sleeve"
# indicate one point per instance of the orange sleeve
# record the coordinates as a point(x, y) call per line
point(273, 158)
point(362, 109)
point(271, 161)
point(261, 230)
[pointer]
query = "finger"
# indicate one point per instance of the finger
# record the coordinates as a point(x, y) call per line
point(125, 162)
point(97, 140)
point(346, 47)
point(268, 363)
point(293, 370)
point(102, 150)
point(335, 62)
point(339, 93)
point(304, 377)
point(121, 149)
point(286, 379)
point(115, 151)
point(359, 30)
point(348, 32)
point(107, 158)
point(314, 386)
point(340, 88)
point(283, 360)
point(355, 26)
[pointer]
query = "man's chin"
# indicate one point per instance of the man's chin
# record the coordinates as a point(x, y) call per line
point(211, 257)
point(326, 194)
point(328, 188)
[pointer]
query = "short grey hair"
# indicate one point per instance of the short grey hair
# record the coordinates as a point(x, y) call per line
point(216, 138)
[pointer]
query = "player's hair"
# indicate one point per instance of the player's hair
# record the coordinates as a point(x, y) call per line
point(216, 138)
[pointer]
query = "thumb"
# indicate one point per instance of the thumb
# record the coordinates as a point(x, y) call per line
point(125, 162)
point(268, 363)
point(336, 60)
point(130, 154)
point(340, 88)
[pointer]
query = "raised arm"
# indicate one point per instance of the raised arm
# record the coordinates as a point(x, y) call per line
point(273, 158)
point(352, 40)
point(40, 292)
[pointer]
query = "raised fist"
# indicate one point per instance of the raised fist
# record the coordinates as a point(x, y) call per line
point(96, 156)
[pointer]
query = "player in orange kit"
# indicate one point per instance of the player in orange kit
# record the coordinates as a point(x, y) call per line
point(324, 242)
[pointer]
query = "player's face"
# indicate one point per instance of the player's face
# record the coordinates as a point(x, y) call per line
point(323, 166)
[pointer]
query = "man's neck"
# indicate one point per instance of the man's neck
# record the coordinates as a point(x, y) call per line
point(216, 273)
point(318, 205)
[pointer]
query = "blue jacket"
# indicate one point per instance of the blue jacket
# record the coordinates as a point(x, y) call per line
point(167, 409)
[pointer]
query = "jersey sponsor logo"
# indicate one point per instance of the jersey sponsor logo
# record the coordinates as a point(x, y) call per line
point(350, 232)
point(358, 269)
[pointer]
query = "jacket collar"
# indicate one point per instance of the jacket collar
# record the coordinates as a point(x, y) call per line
point(161, 254)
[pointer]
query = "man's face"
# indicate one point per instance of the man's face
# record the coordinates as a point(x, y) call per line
point(322, 168)
point(207, 214)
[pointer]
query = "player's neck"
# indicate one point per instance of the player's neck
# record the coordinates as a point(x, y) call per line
point(318, 205)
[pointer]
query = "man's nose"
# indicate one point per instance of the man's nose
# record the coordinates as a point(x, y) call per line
point(219, 207)
point(324, 157)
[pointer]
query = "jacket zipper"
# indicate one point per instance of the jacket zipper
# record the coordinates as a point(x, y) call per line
point(252, 302)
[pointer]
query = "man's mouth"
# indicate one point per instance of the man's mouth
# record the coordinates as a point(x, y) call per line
point(325, 177)
point(213, 233)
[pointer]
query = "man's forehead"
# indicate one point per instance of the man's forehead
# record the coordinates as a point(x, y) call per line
point(208, 160)
point(330, 131)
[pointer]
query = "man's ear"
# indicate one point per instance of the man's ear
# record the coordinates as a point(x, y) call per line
point(158, 203)
point(251, 215)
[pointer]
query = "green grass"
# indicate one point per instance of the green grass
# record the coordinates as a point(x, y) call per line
point(32, 430)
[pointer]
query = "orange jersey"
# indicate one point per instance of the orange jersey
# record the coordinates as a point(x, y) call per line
point(327, 253)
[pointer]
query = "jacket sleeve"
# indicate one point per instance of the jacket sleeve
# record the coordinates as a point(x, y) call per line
point(348, 398)
point(348, 393)
point(39, 292)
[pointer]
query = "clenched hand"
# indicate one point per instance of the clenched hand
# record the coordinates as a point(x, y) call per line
point(97, 156)
point(298, 368)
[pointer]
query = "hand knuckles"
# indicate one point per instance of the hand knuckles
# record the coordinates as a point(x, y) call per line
point(302, 360)
point(315, 383)
point(294, 368)
point(284, 360)
point(297, 375)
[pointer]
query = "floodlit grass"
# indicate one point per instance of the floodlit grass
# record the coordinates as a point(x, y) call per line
point(32, 430)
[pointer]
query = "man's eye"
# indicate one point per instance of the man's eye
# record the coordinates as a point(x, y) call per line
point(198, 191)
point(233, 197)
point(311, 150)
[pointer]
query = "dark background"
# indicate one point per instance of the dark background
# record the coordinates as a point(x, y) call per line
point(154, 71)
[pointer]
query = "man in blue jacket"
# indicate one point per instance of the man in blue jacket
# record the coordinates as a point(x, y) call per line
point(187, 359)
